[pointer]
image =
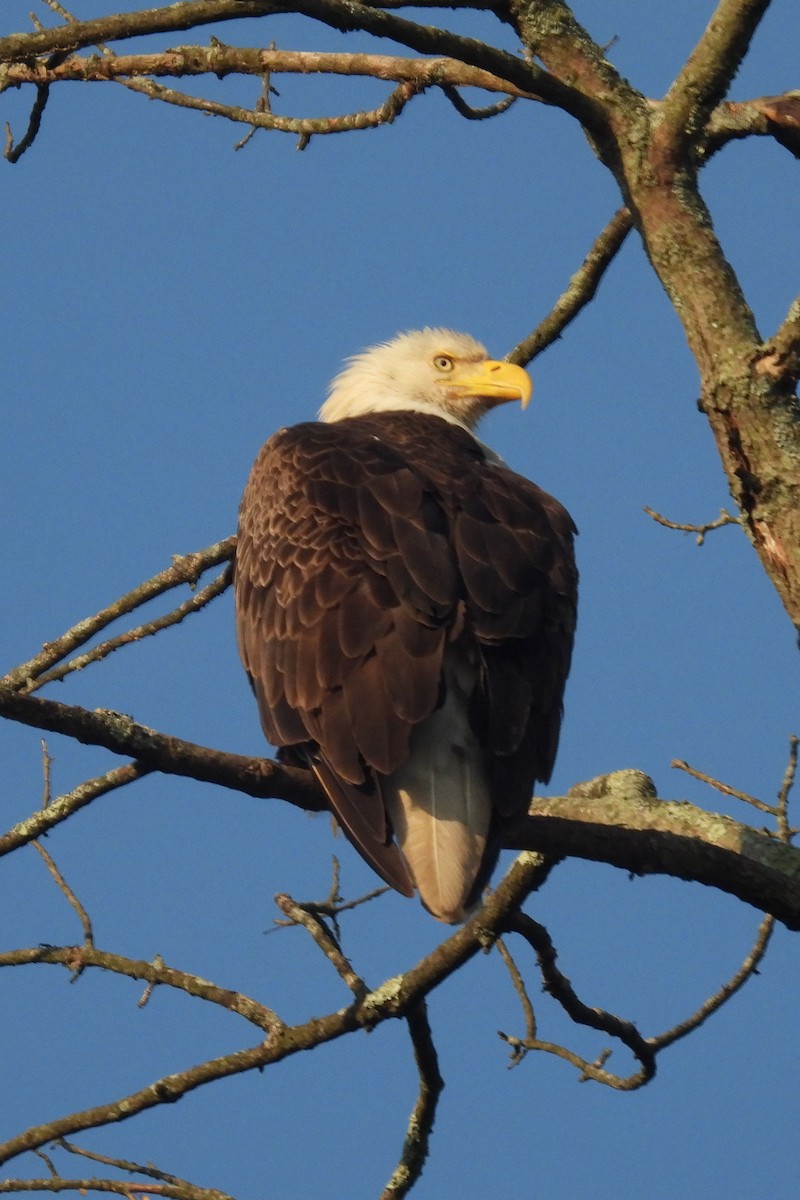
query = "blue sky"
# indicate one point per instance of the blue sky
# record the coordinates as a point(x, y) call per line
point(167, 304)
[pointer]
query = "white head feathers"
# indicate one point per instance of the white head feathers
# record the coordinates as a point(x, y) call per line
point(431, 370)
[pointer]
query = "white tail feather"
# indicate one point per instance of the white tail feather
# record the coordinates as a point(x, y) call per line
point(439, 801)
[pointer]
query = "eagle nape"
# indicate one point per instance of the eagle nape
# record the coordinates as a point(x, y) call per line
point(405, 609)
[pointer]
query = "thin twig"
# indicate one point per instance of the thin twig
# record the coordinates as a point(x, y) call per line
point(559, 987)
point(147, 629)
point(306, 915)
point(156, 972)
point(64, 806)
point(785, 831)
point(724, 518)
point(114, 1187)
point(748, 968)
point(83, 916)
point(522, 992)
point(13, 152)
point(333, 904)
point(384, 114)
point(135, 1168)
point(588, 1070)
point(724, 788)
point(186, 568)
point(420, 1124)
point(581, 289)
point(476, 114)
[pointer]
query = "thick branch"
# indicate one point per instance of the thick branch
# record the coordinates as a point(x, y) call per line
point(629, 829)
point(764, 116)
point(17, 47)
point(221, 60)
point(616, 820)
point(710, 68)
point(161, 752)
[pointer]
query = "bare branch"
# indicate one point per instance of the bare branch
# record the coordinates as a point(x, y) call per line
point(13, 152)
point(342, 16)
point(149, 1171)
point(156, 973)
point(477, 114)
point(64, 806)
point(710, 68)
point(395, 998)
point(420, 1124)
point(186, 568)
point(72, 899)
point(579, 77)
point(748, 968)
point(785, 832)
point(724, 788)
point(158, 751)
point(114, 1187)
point(76, 35)
point(611, 820)
point(307, 127)
point(522, 992)
point(306, 915)
point(781, 356)
point(221, 60)
point(559, 987)
point(580, 291)
point(765, 116)
point(724, 518)
point(193, 605)
point(333, 905)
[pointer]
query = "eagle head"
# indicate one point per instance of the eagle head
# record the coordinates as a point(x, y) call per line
point(430, 370)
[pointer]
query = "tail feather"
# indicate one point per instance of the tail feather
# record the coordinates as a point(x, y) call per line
point(439, 802)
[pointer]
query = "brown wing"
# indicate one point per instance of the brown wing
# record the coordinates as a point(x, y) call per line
point(345, 587)
point(365, 545)
point(514, 551)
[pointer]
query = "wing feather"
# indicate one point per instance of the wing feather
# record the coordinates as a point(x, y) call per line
point(367, 547)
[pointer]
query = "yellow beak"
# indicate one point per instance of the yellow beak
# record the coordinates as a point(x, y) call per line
point(494, 381)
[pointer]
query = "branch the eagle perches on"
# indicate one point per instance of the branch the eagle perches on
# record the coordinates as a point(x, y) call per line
point(616, 818)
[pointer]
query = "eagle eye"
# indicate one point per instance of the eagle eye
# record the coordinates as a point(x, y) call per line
point(443, 362)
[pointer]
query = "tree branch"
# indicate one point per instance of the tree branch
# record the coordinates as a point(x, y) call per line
point(161, 752)
point(710, 68)
point(781, 359)
point(765, 116)
point(579, 292)
point(222, 60)
point(58, 810)
point(185, 568)
point(306, 127)
point(420, 1124)
point(617, 819)
point(631, 829)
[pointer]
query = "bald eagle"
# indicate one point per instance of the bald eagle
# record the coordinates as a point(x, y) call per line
point(405, 612)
